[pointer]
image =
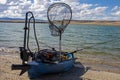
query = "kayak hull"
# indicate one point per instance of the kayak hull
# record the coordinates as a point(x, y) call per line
point(40, 68)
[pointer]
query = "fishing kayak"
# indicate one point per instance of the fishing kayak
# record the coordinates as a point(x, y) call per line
point(39, 68)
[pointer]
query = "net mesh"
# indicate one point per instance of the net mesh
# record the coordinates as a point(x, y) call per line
point(59, 16)
point(54, 30)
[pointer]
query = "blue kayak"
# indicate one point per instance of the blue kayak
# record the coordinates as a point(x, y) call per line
point(39, 68)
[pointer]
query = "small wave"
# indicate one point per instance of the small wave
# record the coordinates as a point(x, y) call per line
point(9, 50)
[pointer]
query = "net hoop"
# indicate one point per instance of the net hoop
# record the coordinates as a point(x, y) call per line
point(57, 30)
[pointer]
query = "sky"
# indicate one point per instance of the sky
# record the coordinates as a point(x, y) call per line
point(82, 9)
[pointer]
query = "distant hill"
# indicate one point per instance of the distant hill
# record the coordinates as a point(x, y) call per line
point(19, 20)
point(6, 18)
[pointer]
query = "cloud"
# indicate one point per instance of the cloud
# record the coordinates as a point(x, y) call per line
point(81, 11)
point(3, 1)
point(87, 11)
point(116, 11)
point(116, 8)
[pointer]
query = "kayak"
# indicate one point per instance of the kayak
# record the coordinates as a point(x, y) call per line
point(39, 68)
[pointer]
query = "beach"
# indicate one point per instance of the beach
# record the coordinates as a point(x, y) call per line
point(87, 67)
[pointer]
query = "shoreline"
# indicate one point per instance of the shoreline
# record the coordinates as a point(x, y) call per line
point(77, 22)
point(105, 23)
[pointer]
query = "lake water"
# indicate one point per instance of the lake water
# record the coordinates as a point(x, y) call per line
point(97, 37)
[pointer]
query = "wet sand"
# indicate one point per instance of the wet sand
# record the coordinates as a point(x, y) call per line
point(87, 67)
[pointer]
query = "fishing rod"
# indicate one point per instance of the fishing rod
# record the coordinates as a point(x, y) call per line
point(95, 45)
point(87, 46)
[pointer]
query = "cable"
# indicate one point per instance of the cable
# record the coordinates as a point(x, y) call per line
point(34, 34)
